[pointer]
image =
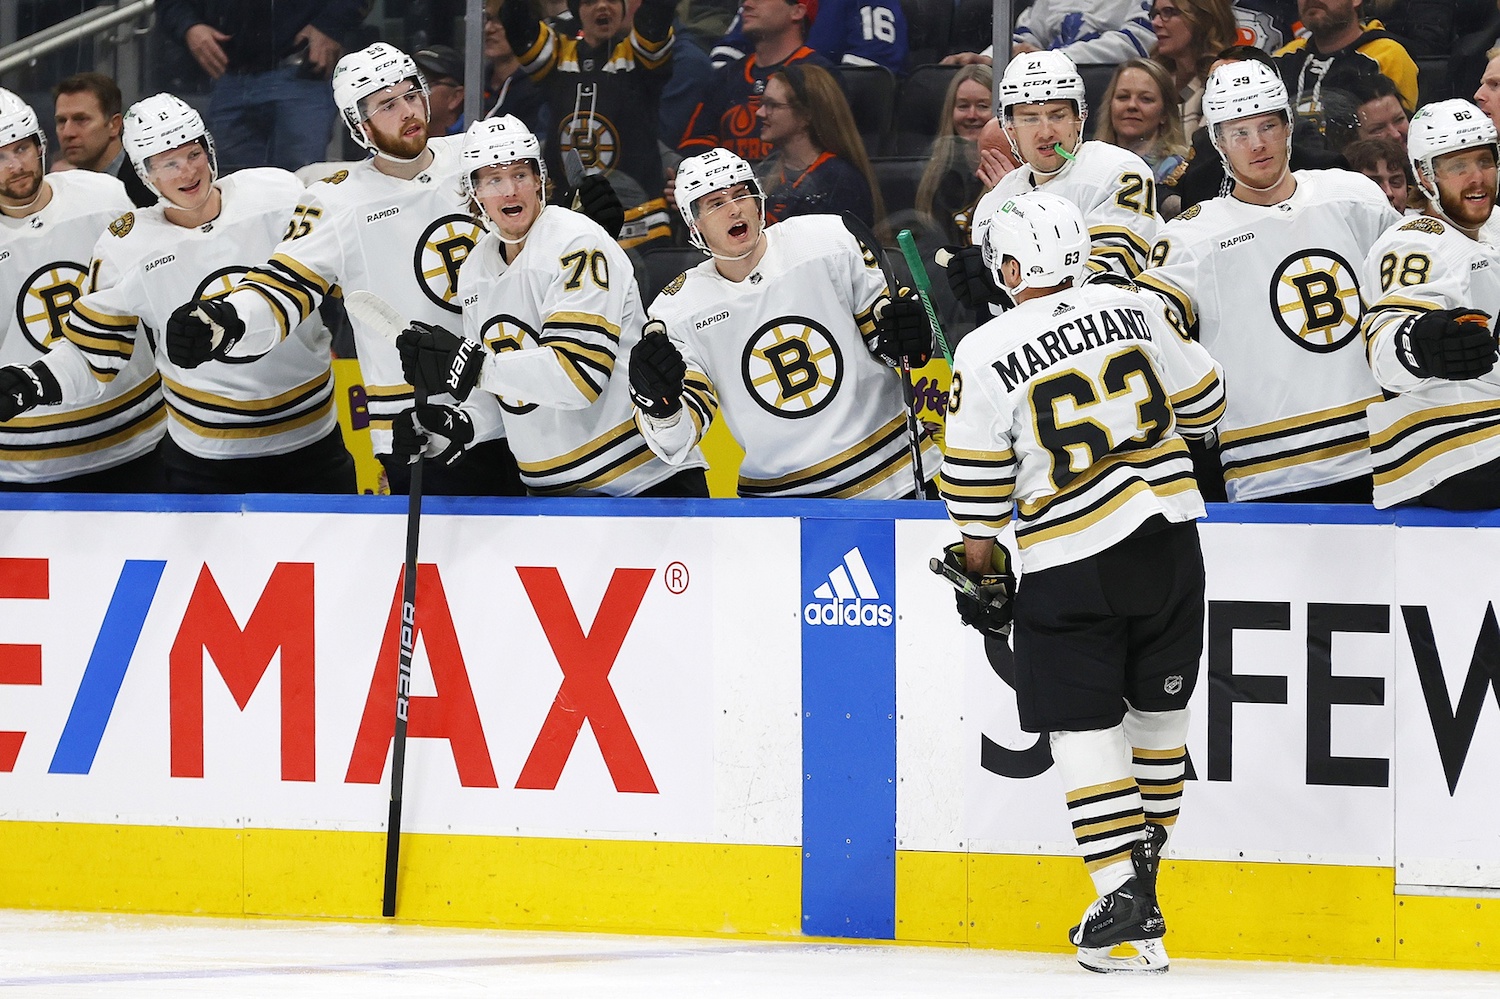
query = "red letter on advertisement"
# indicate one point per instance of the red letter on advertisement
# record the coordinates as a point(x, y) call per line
point(585, 692)
point(282, 619)
point(20, 665)
point(451, 715)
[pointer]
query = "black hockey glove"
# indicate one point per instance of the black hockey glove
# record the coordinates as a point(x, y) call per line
point(597, 199)
point(656, 372)
point(23, 388)
point(971, 281)
point(990, 611)
point(440, 433)
point(902, 332)
point(1450, 343)
point(200, 331)
point(435, 361)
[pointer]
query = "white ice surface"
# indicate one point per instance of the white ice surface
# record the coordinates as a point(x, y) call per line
point(63, 954)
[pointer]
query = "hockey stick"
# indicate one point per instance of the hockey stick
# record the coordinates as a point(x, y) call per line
point(913, 257)
point(573, 167)
point(374, 312)
point(866, 238)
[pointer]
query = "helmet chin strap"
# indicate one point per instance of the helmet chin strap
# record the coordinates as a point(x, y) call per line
point(22, 210)
point(1286, 168)
point(739, 256)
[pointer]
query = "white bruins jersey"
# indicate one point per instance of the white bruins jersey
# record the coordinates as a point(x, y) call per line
point(1113, 188)
point(360, 229)
point(44, 271)
point(560, 321)
point(1430, 428)
point(1066, 414)
point(1273, 293)
point(786, 354)
point(145, 267)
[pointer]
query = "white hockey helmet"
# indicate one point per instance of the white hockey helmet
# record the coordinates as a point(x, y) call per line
point(1038, 77)
point(493, 141)
point(1044, 233)
point(369, 71)
point(1241, 90)
point(161, 122)
point(19, 121)
point(1446, 127)
point(715, 170)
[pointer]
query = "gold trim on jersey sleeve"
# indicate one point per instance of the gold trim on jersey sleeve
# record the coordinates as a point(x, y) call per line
point(1279, 428)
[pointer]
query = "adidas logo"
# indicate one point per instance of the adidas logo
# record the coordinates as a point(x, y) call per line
point(849, 597)
point(1064, 307)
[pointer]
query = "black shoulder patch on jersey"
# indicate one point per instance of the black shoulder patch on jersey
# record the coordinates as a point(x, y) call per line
point(336, 178)
point(1424, 223)
point(675, 285)
point(122, 225)
point(1192, 212)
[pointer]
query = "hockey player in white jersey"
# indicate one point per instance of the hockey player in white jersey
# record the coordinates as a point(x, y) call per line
point(1436, 437)
point(1043, 112)
point(792, 332)
point(1267, 279)
point(48, 227)
point(1066, 417)
point(265, 425)
point(396, 224)
point(550, 308)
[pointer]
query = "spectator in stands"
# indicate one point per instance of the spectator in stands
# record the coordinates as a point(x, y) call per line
point(604, 88)
point(845, 32)
point(444, 69)
point(507, 90)
point(1136, 115)
point(950, 185)
point(88, 119)
point(1423, 27)
point(727, 115)
point(1189, 36)
point(1488, 94)
point(270, 61)
point(1383, 159)
point(1379, 111)
point(692, 76)
point(1265, 24)
point(1086, 31)
point(818, 164)
point(1341, 48)
point(706, 20)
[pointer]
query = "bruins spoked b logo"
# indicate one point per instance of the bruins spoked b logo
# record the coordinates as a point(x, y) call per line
point(220, 283)
point(792, 367)
point(440, 252)
point(46, 299)
point(500, 334)
point(1315, 300)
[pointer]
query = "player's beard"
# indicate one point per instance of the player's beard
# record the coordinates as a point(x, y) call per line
point(1464, 214)
point(400, 146)
point(22, 190)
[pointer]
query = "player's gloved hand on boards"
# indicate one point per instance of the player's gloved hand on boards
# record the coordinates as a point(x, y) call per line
point(435, 360)
point(992, 613)
point(902, 332)
point(597, 199)
point(202, 331)
point(656, 372)
point(440, 433)
point(23, 387)
point(971, 281)
point(1448, 343)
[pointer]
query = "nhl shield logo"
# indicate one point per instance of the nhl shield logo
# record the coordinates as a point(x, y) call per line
point(1173, 684)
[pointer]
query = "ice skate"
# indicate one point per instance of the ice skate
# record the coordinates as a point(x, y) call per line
point(1122, 931)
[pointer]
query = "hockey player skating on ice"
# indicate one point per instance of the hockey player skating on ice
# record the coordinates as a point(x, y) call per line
point(268, 425)
point(1044, 110)
point(1436, 437)
point(792, 332)
point(550, 308)
point(1066, 416)
point(1267, 279)
point(48, 227)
